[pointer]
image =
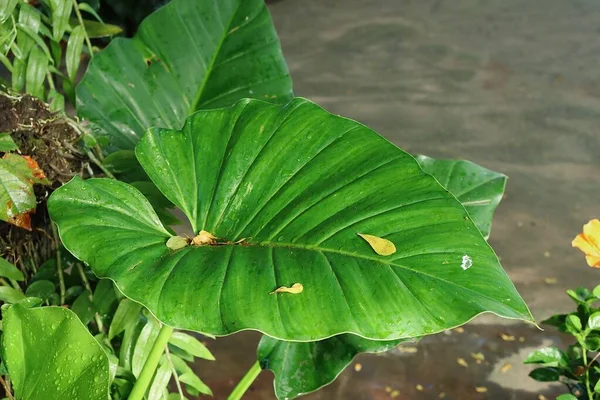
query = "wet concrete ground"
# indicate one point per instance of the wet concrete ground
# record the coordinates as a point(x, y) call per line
point(513, 85)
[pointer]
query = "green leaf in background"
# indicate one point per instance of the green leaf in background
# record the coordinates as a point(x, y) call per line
point(191, 345)
point(10, 295)
point(296, 184)
point(6, 9)
point(18, 74)
point(143, 345)
point(301, 368)
point(50, 355)
point(17, 199)
point(567, 396)
point(594, 321)
point(7, 270)
point(186, 56)
point(125, 166)
point(97, 29)
point(30, 19)
point(545, 374)
point(37, 68)
point(478, 189)
point(7, 143)
point(41, 289)
point(61, 12)
point(548, 357)
point(73, 55)
point(83, 307)
point(160, 381)
point(125, 316)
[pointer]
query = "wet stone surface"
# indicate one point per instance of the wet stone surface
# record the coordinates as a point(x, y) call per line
point(512, 85)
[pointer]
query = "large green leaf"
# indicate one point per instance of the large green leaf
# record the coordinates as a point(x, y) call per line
point(51, 355)
point(301, 368)
point(478, 189)
point(298, 184)
point(188, 55)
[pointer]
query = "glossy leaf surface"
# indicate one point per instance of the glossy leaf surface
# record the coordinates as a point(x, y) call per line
point(51, 355)
point(296, 184)
point(477, 188)
point(188, 55)
point(301, 368)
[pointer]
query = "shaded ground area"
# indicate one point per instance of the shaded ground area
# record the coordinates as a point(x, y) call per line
point(513, 85)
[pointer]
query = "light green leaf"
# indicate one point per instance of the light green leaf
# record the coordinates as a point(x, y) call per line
point(548, 357)
point(191, 345)
point(6, 9)
point(29, 22)
point(573, 323)
point(128, 344)
point(61, 12)
point(10, 295)
point(88, 9)
point(7, 270)
point(50, 355)
point(37, 67)
point(291, 185)
point(57, 101)
point(596, 292)
point(301, 368)
point(99, 30)
point(74, 48)
point(594, 321)
point(191, 379)
point(568, 396)
point(125, 316)
point(186, 56)
point(18, 74)
point(161, 380)
point(478, 189)
point(143, 345)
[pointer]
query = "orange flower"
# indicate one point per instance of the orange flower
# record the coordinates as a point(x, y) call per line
point(589, 243)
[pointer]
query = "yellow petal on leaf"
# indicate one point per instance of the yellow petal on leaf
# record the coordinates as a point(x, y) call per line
point(383, 247)
point(295, 289)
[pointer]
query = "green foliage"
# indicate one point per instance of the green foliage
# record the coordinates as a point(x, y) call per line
point(577, 367)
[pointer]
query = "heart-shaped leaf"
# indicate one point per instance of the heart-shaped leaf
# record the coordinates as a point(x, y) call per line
point(51, 355)
point(301, 368)
point(478, 189)
point(185, 56)
point(285, 189)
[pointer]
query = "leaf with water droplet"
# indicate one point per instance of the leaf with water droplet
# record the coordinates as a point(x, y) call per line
point(295, 289)
point(381, 246)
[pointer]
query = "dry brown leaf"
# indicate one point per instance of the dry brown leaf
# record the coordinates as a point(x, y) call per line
point(204, 238)
point(408, 349)
point(177, 242)
point(383, 247)
point(481, 389)
point(542, 397)
point(505, 368)
point(462, 362)
point(295, 289)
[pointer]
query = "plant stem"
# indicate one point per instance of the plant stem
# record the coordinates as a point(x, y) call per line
point(245, 382)
point(59, 271)
point(87, 286)
point(99, 164)
point(6, 389)
point(174, 371)
point(143, 381)
point(85, 35)
point(587, 373)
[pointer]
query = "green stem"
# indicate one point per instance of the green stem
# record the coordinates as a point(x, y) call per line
point(99, 164)
point(59, 271)
point(143, 381)
point(86, 285)
point(245, 383)
point(587, 372)
point(85, 34)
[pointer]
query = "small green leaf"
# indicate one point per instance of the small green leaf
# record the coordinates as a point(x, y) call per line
point(99, 30)
point(50, 355)
point(6, 9)
point(177, 242)
point(545, 374)
point(126, 315)
point(83, 307)
point(580, 295)
point(549, 357)
point(7, 143)
point(597, 387)
point(592, 342)
point(37, 40)
point(61, 12)
point(128, 342)
point(10, 295)
point(567, 396)
point(88, 9)
point(57, 101)
point(37, 67)
point(7, 270)
point(73, 54)
point(42, 289)
point(191, 345)
point(594, 321)
point(573, 323)
point(189, 378)
point(596, 292)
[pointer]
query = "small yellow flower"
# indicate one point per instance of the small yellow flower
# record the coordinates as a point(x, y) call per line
point(589, 243)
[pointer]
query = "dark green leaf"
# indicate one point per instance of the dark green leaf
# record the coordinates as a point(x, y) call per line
point(74, 48)
point(56, 50)
point(549, 357)
point(50, 355)
point(42, 289)
point(73, 293)
point(125, 166)
point(105, 298)
point(6, 143)
point(61, 12)
point(478, 189)
point(83, 307)
point(191, 345)
point(545, 374)
point(37, 67)
point(592, 342)
point(558, 321)
point(186, 56)
point(57, 101)
point(10, 295)
point(7, 270)
point(297, 183)
point(127, 315)
point(301, 368)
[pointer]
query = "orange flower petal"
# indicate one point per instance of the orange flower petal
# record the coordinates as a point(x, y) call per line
point(582, 244)
point(593, 261)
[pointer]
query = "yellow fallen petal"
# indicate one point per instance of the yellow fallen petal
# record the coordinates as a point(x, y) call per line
point(177, 242)
point(462, 362)
point(419, 388)
point(507, 338)
point(481, 389)
point(505, 368)
point(204, 238)
point(478, 356)
point(295, 289)
point(394, 394)
point(358, 367)
point(383, 247)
